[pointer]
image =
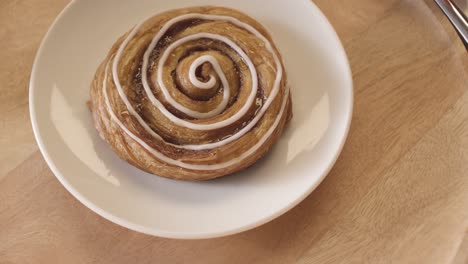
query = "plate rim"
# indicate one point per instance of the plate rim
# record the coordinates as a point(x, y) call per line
point(162, 233)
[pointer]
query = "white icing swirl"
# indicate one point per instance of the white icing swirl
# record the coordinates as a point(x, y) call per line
point(212, 81)
point(200, 85)
point(226, 93)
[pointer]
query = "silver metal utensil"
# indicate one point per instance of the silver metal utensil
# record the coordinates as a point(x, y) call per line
point(456, 15)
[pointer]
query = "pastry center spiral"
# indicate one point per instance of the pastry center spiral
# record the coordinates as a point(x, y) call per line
point(226, 93)
point(200, 78)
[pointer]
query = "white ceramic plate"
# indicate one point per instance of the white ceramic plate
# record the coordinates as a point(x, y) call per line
point(322, 104)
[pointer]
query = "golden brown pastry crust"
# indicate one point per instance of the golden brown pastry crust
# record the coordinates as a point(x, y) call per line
point(175, 77)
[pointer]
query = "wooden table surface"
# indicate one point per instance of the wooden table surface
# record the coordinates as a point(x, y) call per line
point(398, 193)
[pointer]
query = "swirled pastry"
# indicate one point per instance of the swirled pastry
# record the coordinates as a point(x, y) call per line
point(193, 94)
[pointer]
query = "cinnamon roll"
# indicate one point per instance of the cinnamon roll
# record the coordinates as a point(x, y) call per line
point(192, 94)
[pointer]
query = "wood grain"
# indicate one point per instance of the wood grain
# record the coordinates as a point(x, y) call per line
point(398, 193)
point(23, 24)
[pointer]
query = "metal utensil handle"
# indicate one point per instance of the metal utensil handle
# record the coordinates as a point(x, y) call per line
point(456, 17)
